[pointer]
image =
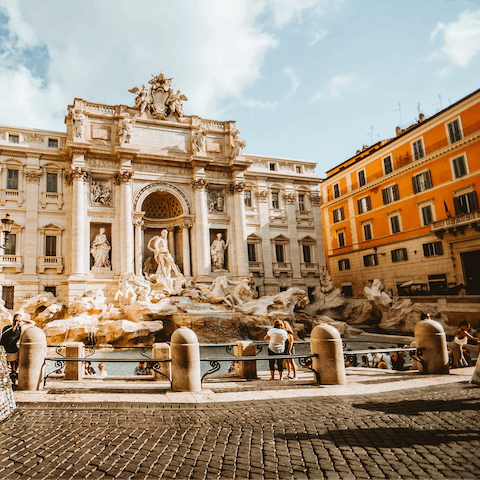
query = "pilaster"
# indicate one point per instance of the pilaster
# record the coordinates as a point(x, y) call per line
point(240, 228)
point(201, 229)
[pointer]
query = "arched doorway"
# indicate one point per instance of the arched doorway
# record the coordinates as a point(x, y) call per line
point(163, 210)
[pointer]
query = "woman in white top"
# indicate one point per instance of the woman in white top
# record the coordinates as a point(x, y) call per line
point(276, 337)
point(459, 341)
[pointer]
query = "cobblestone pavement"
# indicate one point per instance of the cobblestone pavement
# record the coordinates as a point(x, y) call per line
point(434, 433)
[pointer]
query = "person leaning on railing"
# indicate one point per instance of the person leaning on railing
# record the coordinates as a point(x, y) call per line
point(276, 337)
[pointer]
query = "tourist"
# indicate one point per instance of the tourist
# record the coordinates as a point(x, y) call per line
point(384, 361)
point(364, 361)
point(459, 341)
point(101, 370)
point(290, 362)
point(140, 370)
point(10, 338)
point(231, 367)
point(398, 360)
point(89, 370)
point(148, 369)
point(371, 358)
point(276, 337)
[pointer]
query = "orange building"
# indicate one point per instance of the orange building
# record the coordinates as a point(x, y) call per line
point(405, 210)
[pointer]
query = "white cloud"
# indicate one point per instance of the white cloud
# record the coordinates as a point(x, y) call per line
point(98, 50)
point(251, 103)
point(461, 39)
point(288, 72)
point(317, 96)
point(337, 83)
point(317, 36)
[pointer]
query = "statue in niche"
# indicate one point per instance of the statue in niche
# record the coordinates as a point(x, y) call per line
point(217, 251)
point(100, 193)
point(199, 139)
point(78, 123)
point(100, 250)
point(237, 143)
point(216, 201)
point(125, 129)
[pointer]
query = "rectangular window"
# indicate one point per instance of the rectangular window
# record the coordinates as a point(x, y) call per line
point(52, 182)
point(341, 239)
point(459, 167)
point(367, 231)
point(301, 203)
point(370, 260)
point(50, 246)
point(52, 143)
point(252, 252)
point(14, 139)
point(307, 253)
point(390, 194)
point(395, 223)
point(388, 165)
point(247, 196)
point(432, 249)
point(399, 255)
point(418, 151)
point(466, 203)
point(279, 253)
point(12, 179)
point(344, 264)
point(8, 296)
point(364, 205)
point(11, 244)
point(275, 201)
point(338, 215)
point(273, 167)
point(362, 179)
point(336, 190)
point(422, 181)
point(454, 133)
point(298, 169)
point(427, 215)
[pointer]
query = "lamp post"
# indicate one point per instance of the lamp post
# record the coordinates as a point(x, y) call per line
point(7, 228)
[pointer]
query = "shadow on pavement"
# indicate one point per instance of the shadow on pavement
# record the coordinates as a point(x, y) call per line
point(386, 437)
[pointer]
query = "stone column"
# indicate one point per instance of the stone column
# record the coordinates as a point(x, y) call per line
point(171, 242)
point(202, 240)
point(138, 222)
point(240, 228)
point(295, 254)
point(80, 234)
point(186, 250)
point(315, 201)
point(126, 223)
point(267, 254)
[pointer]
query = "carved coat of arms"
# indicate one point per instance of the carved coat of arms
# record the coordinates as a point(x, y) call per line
point(160, 101)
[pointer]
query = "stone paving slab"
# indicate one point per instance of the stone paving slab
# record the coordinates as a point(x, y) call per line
point(424, 433)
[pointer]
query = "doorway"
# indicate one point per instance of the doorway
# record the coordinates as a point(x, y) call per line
point(471, 272)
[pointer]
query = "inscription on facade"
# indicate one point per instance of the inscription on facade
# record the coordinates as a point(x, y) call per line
point(160, 138)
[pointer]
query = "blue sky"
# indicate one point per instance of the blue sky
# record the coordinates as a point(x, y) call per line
point(306, 79)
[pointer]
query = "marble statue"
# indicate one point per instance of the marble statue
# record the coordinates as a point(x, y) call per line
point(166, 264)
point(125, 129)
point(100, 250)
point(228, 291)
point(216, 201)
point(100, 193)
point(125, 290)
point(217, 251)
point(160, 101)
point(199, 139)
point(78, 123)
point(237, 143)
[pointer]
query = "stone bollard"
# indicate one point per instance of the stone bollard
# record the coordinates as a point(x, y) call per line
point(245, 348)
point(31, 362)
point(186, 375)
point(326, 341)
point(430, 338)
point(74, 370)
point(161, 351)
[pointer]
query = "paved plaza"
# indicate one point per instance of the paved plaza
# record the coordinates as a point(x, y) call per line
point(431, 432)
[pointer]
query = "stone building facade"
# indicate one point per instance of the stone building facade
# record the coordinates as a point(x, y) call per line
point(405, 210)
point(123, 174)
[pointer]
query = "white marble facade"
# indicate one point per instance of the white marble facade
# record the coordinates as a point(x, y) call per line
point(123, 174)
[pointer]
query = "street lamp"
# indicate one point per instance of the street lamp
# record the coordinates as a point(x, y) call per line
point(7, 228)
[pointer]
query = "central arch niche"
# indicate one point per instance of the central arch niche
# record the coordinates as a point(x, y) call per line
point(163, 210)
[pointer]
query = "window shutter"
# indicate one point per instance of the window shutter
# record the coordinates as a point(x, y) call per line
point(415, 184)
point(426, 251)
point(342, 215)
point(369, 205)
point(438, 248)
point(456, 171)
point(375, 259)
point(385, 196)
point(394, 256)
point(456, 204)
point(405, 254)
point(462, 166)
point(396, 196)
point(472, 200)
point(365, 260)
point(428, 179)
point(359, 204)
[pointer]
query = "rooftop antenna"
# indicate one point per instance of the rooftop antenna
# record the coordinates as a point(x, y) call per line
point(371, 133)
point(440, 97)
point(399, 110)
point(418, 108)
